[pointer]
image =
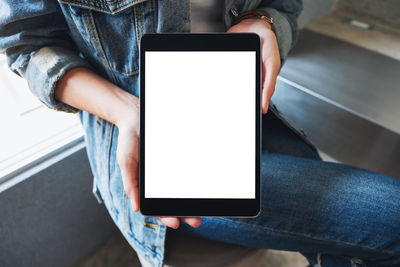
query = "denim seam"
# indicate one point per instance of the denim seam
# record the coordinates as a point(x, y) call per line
point(125, 209)
point(96, 8)
point(151, 225)
point(136, 24)
point(123, 7)
point(111, 3)
point(86, 20)
point(135, 71)
point(96, 35)
point(85, 5)
point(153, 9)
point(109, 135)
point(98, 121)
point(141, 18)
point(311, 237)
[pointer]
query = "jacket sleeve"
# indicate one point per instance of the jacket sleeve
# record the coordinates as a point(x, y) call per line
point(35, 39)
point(284, 14)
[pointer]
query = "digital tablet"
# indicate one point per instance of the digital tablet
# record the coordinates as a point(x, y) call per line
point(200, 117)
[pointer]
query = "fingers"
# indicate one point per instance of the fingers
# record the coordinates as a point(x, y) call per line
point(192, 221)
point(172, 222)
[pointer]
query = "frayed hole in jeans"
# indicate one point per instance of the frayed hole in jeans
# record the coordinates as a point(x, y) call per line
point(355, 262)
point(318, 260)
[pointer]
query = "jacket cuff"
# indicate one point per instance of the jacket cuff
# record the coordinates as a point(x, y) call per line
point(283, 32)
point(45, 68)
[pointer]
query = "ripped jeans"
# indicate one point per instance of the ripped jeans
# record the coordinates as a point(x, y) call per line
point(335, 215)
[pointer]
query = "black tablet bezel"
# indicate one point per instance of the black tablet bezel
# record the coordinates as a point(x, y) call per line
point(200, 206)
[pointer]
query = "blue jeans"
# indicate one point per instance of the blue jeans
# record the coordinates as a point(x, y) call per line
point(335, 215)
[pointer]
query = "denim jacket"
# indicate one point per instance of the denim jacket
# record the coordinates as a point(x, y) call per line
point(43, 39)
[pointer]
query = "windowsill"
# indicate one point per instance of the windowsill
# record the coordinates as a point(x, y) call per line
point(30, 132)
point(29, 157)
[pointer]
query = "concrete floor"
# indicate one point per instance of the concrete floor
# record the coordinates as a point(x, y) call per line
point(117, 252)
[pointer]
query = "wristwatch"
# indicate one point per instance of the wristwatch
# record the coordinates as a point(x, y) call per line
point(254, 14)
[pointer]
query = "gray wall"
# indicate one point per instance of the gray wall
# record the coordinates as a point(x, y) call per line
point(384, 12)
point(313, 10)
point(52, 218)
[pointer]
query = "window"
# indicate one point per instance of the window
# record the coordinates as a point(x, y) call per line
point(30, 132)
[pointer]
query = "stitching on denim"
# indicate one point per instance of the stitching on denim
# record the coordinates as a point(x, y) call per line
point(84, 5)
point(71, 109)
point(136, 24)
point(141, 17)
point(100, 47)
point(98, 121)
point(153, 9)
point(86, 20)
point(90, 33)
point(96, 37)
point(108, 139)
point(151, 225)
point(66, 109)
point(108, 3)
point(130, 72)
point(151, 259)
point(108, 11)
point(123, 7)
point(127, 72)
point(310, 237)
point(111, 3)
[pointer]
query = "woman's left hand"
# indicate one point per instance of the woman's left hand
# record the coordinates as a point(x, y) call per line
point(271, 61)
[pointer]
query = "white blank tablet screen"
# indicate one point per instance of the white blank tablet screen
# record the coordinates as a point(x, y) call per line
point(200, 124)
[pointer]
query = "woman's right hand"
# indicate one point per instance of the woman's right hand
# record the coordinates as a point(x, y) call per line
point(128, 160)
